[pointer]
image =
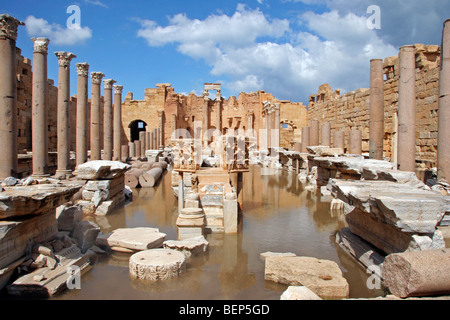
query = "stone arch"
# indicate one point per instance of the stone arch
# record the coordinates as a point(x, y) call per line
point(287, 130)
point(135, 127)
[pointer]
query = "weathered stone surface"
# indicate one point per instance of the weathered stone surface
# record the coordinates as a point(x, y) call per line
point(67, 216)
point(393, 217)
point(421, 273)
point(325, 151)
point(190, 247)
point(101, 169)
point(85, 232)
point(16, 236)
point(45, 282)
point(34, 199)
point(157, 264)
point(136, 239)
point(407, 208)
point(323, 277)
point(299, 293)
point(267, 254)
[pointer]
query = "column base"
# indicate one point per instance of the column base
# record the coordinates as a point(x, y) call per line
point(63, 174)
point(40, 176)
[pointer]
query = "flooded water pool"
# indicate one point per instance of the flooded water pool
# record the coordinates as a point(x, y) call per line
point(278, 215)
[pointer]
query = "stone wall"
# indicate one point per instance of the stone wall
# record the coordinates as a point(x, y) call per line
point(351, 110)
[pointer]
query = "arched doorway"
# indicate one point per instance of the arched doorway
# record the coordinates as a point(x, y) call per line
point(135, 127)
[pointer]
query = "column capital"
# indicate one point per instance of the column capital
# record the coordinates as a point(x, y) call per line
point(160, 113)
point(8, 26)
point(82, 69)
point(40, 44)
point(97, 77)
point(108, 83)
point(118, 89)
point(64, 58)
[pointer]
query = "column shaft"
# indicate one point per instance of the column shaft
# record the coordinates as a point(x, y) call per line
point(39, 108)
point(8, 95)
point(63, 131)
point(108, 119)
point(355, 142)
point(326, 134)
point(407, 109)
point(314, 133)
point(305, 138)
point(118, 122)
point(443, 154)
point(95, 116)
point(376, 110)
point(82, 113)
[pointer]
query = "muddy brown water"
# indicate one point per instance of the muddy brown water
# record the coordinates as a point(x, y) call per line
point(278, 215)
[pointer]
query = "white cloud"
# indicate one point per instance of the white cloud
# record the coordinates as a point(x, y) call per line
point(56, 33)
point(96, 3)
point(255, 52)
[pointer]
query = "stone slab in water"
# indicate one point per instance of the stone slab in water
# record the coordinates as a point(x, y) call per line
point(323, 277)
point(157, 264)
point(190, 247)
point(101, 169)
point(136, 239)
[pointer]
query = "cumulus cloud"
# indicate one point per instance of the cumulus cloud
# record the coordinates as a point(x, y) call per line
point(287, 58)
point(56, 33)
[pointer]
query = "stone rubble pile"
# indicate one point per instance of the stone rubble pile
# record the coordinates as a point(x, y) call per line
point(105, 186)
point(145, 174)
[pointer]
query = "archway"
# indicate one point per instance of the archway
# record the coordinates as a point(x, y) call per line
point(135, 127)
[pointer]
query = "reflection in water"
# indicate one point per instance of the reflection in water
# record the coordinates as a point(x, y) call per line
point(278, 215)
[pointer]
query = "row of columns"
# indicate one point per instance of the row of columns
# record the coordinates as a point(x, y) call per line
point(271, 124)
point(39, 108)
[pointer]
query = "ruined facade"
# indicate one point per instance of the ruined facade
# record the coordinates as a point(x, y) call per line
point(351, 110)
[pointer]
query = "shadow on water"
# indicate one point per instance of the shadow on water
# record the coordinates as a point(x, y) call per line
point(278, 216)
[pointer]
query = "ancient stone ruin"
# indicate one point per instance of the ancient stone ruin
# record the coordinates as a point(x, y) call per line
point(380, 156)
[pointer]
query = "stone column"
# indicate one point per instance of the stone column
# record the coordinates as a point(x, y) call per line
point(117, 122)
point(123, 153)
point(63, 123)
point(355, 142)
point(142, 138)
point(96, 116)
point(82, 113)
point(314, 133)
point(148, 142)
point(152, 138)
point(219, 111)
point(137, 149)
point(132, 150)
point(39, 108)
point(205, 121)
point(8, 95)
point(443, 154)
point(305, 138)
point(326, 134)
point(407, 109)
point(376, 110)
point(108, 119)
point(339, 140)
point(276, 134)
point(161, 129)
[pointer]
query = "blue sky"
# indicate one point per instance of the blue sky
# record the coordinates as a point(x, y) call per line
point(285, 47)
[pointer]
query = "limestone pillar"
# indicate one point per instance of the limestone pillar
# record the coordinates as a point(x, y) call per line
point(96, 116)
point(219, 111)
point(443, 154)
point(270, 137)
point(376, 110)
point(142, 136)
point(205, 122)
point(131, 149)
point(8, 95)
point(305, 138)
point(124, 153)
point(355, 142)
point(407, 109)
point(326, 134)
point(148, 141)
point(82, 113)
point(117, 134)
point(137, 149)
point(276, 133)
point(152, 138)
point(339, 140)
point(314, 133)
point(63, 119)
point(161, 129)
point(39, 108)
point(108, 119)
